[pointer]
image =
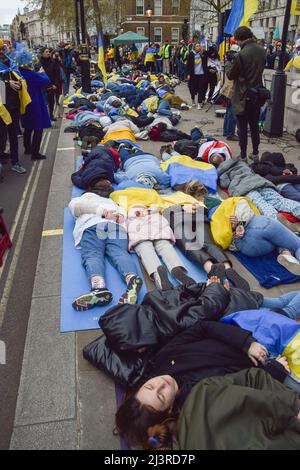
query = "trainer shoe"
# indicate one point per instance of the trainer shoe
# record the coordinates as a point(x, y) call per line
point(254, 157)
point(290, 263)
point(18, 168)
point(95, 298)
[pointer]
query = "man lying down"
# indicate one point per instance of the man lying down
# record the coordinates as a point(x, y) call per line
point(203, 384)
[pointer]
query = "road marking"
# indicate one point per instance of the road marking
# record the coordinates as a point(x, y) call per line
point(19, 241)
point(66, 148)
point(52, 233)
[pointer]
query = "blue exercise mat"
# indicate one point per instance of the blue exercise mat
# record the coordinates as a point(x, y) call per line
point(267, 270)
point(75, 282)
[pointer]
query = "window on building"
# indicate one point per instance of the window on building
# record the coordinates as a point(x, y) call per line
point(140, 7)
point(158, 7)
point(140, 31)
point(158, 35)
point(175, 7)
point(175, 35)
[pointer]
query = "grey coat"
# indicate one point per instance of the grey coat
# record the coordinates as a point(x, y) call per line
point(246, 70)
point(239, 179)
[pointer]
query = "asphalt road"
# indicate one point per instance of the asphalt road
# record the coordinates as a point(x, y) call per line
point(24, 199)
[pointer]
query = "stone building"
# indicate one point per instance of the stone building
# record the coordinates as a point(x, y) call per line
point(268, 20)
point(166, 21)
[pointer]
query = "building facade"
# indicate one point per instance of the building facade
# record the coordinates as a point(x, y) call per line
point(267, 22)
point(5, 32)
point(166, 20)
point(18, 29)
point(41, 32)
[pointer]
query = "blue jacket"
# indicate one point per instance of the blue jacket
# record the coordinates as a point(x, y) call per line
point(37, 114)
point(146, 164)
point(99, 164)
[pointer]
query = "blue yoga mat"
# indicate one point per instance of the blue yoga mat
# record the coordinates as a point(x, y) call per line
point(75, 282)
point(267, 270)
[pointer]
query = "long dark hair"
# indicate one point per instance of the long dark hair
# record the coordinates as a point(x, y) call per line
point(141, 425)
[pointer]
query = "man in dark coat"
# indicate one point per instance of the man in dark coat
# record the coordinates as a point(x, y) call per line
point(51, 70)
point(247, 70)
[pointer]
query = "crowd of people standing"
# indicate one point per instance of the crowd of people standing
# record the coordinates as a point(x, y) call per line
point(34, 81)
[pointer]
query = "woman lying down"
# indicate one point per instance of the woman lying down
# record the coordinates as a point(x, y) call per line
point(203, 391)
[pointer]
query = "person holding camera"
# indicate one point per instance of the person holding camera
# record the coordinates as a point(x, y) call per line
point(248, 92)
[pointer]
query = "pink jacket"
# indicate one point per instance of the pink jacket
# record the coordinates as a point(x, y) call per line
point(150, 225)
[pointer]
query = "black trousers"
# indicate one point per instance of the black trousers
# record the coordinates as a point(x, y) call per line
point(193, 236)
point(51, 102)
point(12, 132)
point(251, 117)
point(198, 86)
point(32, 144)
point(150, 66)
point(212, 82)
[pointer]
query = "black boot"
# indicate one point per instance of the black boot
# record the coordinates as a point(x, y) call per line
point(237, 280)
point(163, 278)
point(180, 274)
point(217, 270)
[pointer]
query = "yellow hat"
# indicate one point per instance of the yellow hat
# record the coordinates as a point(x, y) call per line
point(1, 43)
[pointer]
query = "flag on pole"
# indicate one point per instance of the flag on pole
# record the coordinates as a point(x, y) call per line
point(101, 60)
point(204, 43)
point(295, 7)
point(241, 11)
point(277, 34)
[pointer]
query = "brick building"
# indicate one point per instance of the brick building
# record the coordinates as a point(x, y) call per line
point(166, 20)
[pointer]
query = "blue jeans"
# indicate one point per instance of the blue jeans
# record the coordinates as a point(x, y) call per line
point(264, 235)
point(181, 70)
point(66, 83)
point(164, 109)
point(290, 303)
point(229, 121)
point(196, 135)
point(158, 66)
point(291, 191)
point(106, 239)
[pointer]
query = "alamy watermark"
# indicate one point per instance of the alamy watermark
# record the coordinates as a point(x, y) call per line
point(295, 96)
point(2, 353)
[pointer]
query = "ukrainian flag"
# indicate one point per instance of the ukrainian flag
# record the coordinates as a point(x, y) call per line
point(241, 11)
point(183, 169)
point(278, 333)
point(101, 60)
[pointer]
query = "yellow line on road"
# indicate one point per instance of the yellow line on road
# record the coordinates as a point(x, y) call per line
point(52, 233)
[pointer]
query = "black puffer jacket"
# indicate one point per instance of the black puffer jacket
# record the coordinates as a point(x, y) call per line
point(161, 316)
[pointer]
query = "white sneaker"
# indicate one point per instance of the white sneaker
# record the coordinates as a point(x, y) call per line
point(200, 106)
point(290, 263)
point(18, 169)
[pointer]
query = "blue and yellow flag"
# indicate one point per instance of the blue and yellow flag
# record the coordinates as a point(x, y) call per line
point(183, 169)
point(101, 60)
point(241, 11)
point(278, 333)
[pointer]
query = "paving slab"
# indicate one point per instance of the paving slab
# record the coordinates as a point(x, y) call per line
point(48, 273)
point(96, 397)
point(47, 389)
point(49, 436)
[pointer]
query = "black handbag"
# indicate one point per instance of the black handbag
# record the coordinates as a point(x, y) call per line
point(258, 94)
